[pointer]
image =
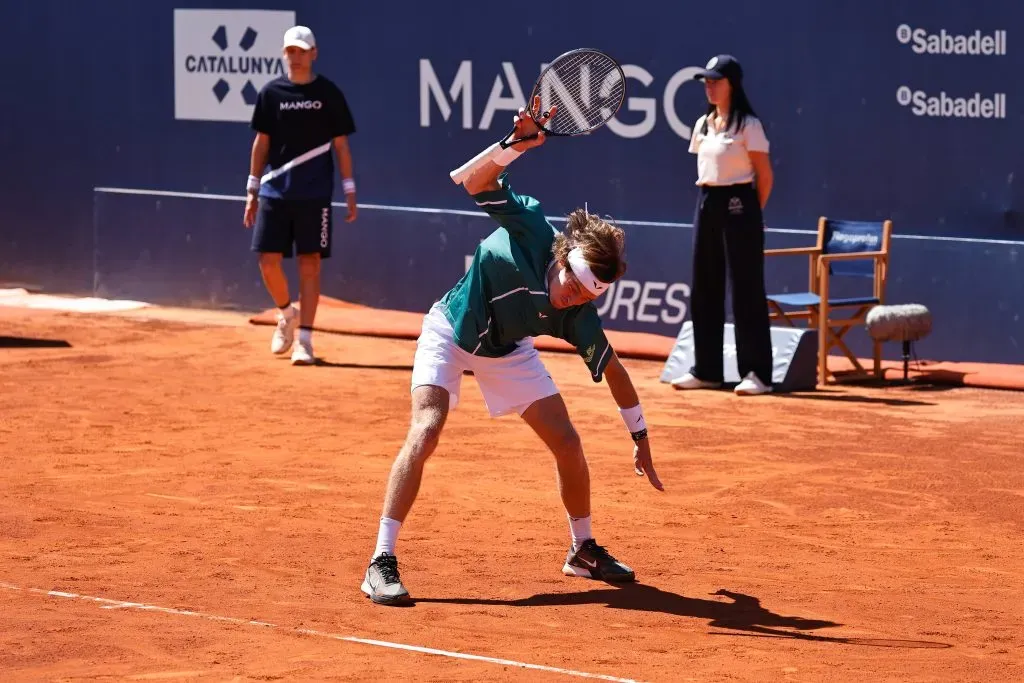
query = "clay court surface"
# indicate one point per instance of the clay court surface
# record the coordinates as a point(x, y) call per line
point(177, 504)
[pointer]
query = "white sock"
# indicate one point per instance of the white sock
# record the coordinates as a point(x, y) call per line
point(387, 535)
point(580, 528)
point(287, 309)
point(305, 335)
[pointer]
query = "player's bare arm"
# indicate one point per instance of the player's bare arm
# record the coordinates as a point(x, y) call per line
point(628, 402)
point(344, 154)
point(486, 178)
point(257, 162)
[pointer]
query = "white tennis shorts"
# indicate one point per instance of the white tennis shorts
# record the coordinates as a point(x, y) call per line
point(508, 384)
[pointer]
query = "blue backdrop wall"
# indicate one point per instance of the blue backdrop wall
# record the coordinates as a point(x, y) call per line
point(125, 145)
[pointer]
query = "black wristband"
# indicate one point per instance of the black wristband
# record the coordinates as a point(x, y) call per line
point(639, 436)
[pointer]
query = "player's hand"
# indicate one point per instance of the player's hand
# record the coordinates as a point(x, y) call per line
point(252, 203)
point(525, 125)
point(353, 209)
point(644, 465)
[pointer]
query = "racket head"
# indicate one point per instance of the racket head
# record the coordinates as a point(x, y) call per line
point(586, 84)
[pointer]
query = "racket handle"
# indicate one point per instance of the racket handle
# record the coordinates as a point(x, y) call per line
point(460, 174)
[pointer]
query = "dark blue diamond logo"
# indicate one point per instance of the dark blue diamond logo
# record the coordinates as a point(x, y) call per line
point(221, 90)
point(220, 36)
point(249, 93)
point(248, 39)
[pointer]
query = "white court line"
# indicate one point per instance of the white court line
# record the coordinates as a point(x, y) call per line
point(107, 603)
point(553, 219)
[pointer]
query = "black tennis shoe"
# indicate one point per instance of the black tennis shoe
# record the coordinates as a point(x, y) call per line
point(594, 562)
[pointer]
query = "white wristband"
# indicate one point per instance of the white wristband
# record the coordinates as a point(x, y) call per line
point(634, 418)
point(506, 156)
point(349, 185)
point(253, 184)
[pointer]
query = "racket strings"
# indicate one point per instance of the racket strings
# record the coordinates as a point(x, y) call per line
point(580, 109)
point(587, 87)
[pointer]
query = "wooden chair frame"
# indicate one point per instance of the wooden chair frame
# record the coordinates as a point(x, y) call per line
point(832, 330)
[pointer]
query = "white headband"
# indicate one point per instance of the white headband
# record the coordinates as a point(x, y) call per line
point(582, 271)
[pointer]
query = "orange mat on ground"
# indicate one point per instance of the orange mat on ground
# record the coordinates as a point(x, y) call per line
point(342, 317)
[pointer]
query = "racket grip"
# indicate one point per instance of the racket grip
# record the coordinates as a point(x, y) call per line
point(460, 174)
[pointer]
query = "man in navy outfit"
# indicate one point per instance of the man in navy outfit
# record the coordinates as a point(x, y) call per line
point(301, 121)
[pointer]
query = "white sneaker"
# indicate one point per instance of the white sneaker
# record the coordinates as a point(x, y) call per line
point(303, 354)
point(752, 386)
point(688, 381)
point(284, 335)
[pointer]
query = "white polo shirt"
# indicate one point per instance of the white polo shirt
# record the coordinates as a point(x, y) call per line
point(723, 156)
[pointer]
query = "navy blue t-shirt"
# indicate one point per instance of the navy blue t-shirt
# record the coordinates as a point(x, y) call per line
point(299, 118)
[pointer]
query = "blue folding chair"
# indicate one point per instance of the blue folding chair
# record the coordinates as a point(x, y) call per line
point(851, 249)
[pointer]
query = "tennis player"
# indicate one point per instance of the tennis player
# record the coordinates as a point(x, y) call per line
point(526, 279)
point(299, 119)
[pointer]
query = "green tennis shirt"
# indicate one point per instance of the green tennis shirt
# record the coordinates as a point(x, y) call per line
point(503, 297)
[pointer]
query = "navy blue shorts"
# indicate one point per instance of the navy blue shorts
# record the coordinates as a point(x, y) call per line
point(304, 225)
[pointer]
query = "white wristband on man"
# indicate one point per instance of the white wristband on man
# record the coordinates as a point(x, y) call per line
point(635, 423)
point(252, 186)
point(493, 153)
point(503, 156)
point(506, 156)
point(348, 185)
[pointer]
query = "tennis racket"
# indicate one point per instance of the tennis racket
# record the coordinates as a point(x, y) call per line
point(586, 85)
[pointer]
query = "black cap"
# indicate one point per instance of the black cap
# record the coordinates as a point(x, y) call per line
point(722, 66)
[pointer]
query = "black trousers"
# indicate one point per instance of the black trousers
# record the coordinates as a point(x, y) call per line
point(729, 237)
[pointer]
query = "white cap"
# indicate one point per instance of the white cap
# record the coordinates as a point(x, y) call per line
point(299, 36)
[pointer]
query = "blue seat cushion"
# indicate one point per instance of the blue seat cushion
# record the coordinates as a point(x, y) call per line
point(805, 299)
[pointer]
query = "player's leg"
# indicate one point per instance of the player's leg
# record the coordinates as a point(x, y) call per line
point(707, 297)
point(549, 418)
point(382, 582)
point(519, 383)
point(429, 412)
point(436, 380)
point(272, 240)
point(313, 236)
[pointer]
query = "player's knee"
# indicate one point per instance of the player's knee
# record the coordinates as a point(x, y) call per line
point(424, 435)
point(567, 446)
